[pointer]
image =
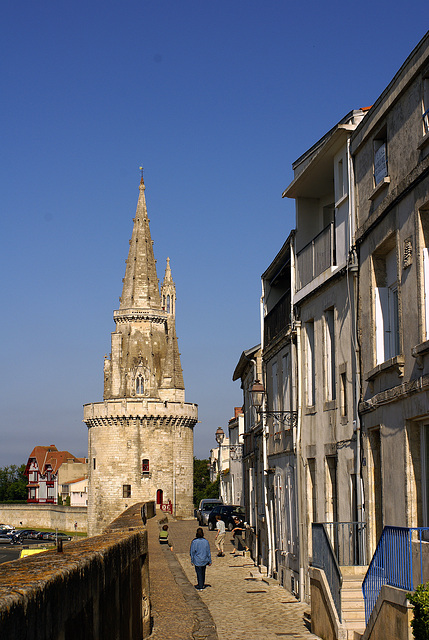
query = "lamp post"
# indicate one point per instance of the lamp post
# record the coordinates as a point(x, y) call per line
point(286, 418)
point(219, 436)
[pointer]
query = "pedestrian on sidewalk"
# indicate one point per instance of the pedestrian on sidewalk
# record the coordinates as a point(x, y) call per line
point(220, 536)
point(200, 557)
point(237, 533)
point(163, 536)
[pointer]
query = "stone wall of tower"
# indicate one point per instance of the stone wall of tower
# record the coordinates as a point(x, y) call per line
point(121, 435)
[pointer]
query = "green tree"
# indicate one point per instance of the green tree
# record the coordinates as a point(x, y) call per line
point(203, 488)
point(13, 483)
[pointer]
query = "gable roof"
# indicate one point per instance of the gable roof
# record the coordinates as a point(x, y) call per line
point(50, 456)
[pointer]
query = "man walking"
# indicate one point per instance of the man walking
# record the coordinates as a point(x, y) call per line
point(200, 557)
point(220, 536)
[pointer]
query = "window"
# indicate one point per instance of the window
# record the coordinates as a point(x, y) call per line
point(310, 364)
point(145, 466)
point(425, 472)
point(286, 383)
point(424, 222)
point(331, 489)
point(426, 289)
point(330, 354)
point(168, 304)
point(340, 179)
point(126, 491)
point(426, 104)
point(343, 390)
point(139, 384)
point(312, 507)
point(275, 398)
point(93, 463)
point(380, 159)
point(386, 307)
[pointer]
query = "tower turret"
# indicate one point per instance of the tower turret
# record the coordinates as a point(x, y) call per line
point(140, 439)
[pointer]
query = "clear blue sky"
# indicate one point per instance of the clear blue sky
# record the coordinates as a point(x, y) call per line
point(215, 100)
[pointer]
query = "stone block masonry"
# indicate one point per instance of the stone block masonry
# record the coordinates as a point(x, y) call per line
point(45, 516)
point(96, 588)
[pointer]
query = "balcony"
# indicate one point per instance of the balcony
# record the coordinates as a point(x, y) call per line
point(317, 256)
point(277, 319)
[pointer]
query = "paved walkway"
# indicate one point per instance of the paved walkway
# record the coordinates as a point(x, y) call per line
point(234, 606)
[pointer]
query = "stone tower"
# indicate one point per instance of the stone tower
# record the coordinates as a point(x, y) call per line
point(140, 438)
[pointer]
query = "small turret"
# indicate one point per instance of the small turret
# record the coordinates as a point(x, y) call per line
point(168, 291)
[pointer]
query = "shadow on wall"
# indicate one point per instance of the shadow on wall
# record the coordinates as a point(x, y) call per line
point(96, 588)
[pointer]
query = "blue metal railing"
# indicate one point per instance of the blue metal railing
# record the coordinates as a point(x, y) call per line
point(397, 562)
point(324, 558)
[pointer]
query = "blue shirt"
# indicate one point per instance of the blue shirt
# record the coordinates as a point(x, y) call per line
point(200, 552)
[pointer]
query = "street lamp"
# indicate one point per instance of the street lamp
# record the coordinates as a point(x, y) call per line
point(286, 418)
point(219, 436)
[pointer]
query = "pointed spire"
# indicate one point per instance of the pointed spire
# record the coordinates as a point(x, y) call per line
point(168, 278)
point(168, 291)
point(140, 290)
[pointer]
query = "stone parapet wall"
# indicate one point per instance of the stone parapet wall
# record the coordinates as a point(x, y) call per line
point(45, 516)
point(391, 616)
point(140, 408)
point(96, 588)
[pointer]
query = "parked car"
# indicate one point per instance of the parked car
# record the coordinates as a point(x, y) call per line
point(40, 535)
point(56, 536)
point(33, 535)
point(7, 537)
point(25, 533)
point(227, 512)
point(205, 507)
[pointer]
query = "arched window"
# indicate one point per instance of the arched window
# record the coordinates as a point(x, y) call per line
point(145, 466)
point(159, 496)
point(139, 385)
point(168, 304)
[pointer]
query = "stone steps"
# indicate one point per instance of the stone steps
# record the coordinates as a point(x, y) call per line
point(352, 602)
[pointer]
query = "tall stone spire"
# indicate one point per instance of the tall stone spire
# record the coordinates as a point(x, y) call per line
point(140, 290)
point(145, 360)
point(140, 438)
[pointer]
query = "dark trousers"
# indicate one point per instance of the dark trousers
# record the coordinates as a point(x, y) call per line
point(201, 576)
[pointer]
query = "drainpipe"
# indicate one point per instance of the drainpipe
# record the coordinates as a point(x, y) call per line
point(264, 447)
point(354, 269)
point(299, 484)
point(298, 465)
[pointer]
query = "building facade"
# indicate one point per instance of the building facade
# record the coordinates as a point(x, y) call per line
point(47, 469)
point(140, 438)
point(232, 478)
point(391, 165)
point(248, 371)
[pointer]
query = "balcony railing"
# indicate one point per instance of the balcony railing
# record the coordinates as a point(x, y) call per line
point(400, 560)
point(317, 256)
point(277, 319)
point(348, 540)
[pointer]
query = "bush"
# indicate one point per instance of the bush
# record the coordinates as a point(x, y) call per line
point(420, 601)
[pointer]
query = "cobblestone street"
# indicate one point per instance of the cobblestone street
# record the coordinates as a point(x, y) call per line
point(235, 605)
